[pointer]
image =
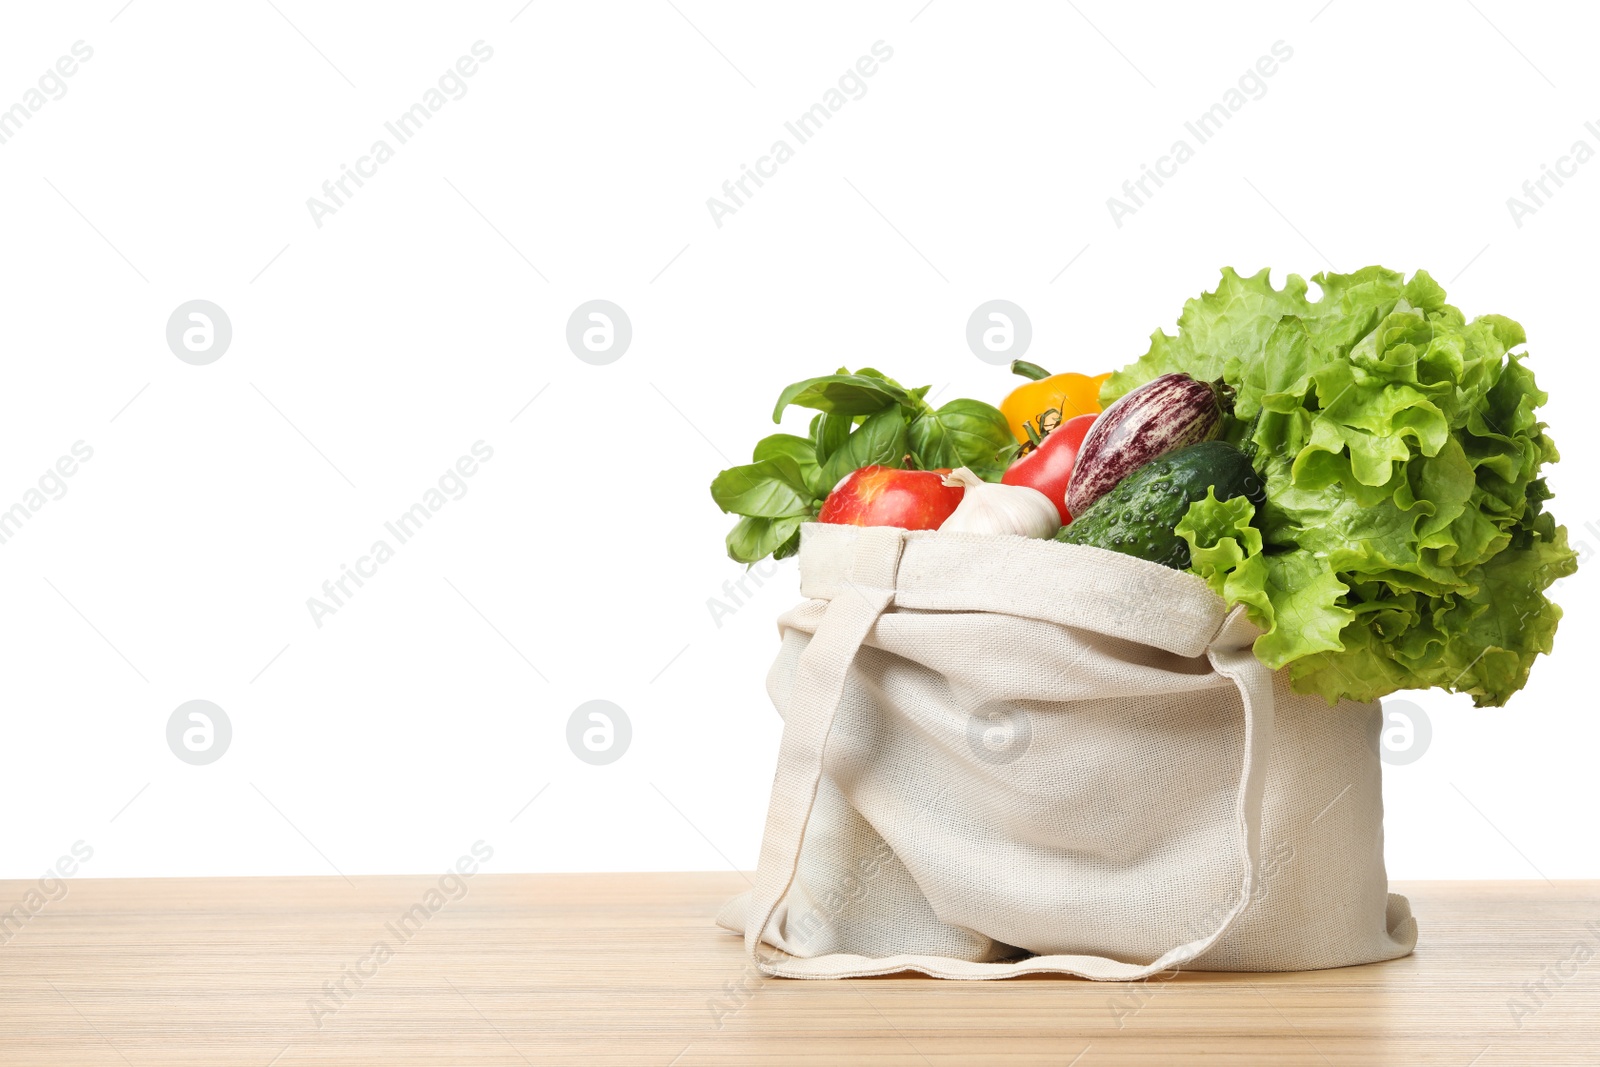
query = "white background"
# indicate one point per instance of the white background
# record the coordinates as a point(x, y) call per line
point(424, 315)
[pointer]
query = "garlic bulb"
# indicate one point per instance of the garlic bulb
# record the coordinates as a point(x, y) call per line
point(992, 508)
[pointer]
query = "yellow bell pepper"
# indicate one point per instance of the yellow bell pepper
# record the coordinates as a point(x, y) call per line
point(1049, 400)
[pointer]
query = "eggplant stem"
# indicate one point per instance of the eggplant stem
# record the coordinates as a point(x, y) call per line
point(1224, 394)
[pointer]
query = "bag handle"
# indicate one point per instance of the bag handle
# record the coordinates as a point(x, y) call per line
point(818, 688)
point(819, 683)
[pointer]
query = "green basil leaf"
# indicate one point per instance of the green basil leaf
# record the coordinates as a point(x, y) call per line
point(916, 402)
point(777, 445)
point(753, 539)
point(873, 372)
point(828, 434)
point(880, 441)
point(964, 433)
point(788, 548)
point(797, 456)
point(842, 394)
point(763, 490)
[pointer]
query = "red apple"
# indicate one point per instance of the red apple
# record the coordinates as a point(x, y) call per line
point(883, 496)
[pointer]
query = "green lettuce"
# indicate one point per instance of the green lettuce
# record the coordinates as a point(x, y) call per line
point(1404, 542)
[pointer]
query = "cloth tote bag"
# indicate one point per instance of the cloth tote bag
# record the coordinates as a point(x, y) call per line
point(1004, 756)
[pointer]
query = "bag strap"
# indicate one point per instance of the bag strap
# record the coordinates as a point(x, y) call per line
point(819, 683)
point(818, 688)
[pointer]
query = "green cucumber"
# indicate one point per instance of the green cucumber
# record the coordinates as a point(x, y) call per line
point(1138, 515)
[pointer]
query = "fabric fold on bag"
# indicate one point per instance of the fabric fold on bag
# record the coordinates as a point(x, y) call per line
point(1004, 756)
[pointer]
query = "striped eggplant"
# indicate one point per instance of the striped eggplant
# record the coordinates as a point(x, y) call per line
point(1162, 415)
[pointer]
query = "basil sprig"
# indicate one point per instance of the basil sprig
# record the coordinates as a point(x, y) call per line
point(864, 419)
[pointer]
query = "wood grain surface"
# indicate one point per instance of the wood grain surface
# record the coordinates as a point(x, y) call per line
point(627, 969)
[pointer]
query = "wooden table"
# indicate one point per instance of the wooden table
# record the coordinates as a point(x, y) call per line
point(627, 969)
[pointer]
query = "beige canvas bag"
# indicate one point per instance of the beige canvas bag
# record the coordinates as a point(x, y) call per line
point(1003, 756)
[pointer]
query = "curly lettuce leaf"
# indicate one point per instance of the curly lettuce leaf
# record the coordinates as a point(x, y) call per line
point(1403, 542)
point(1220, 538)
point(1289, 596)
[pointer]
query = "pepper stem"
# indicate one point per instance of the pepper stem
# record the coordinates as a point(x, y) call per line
point(1029, 370)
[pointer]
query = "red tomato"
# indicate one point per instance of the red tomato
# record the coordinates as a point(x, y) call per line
point(883, 496)
point(1048, 468)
